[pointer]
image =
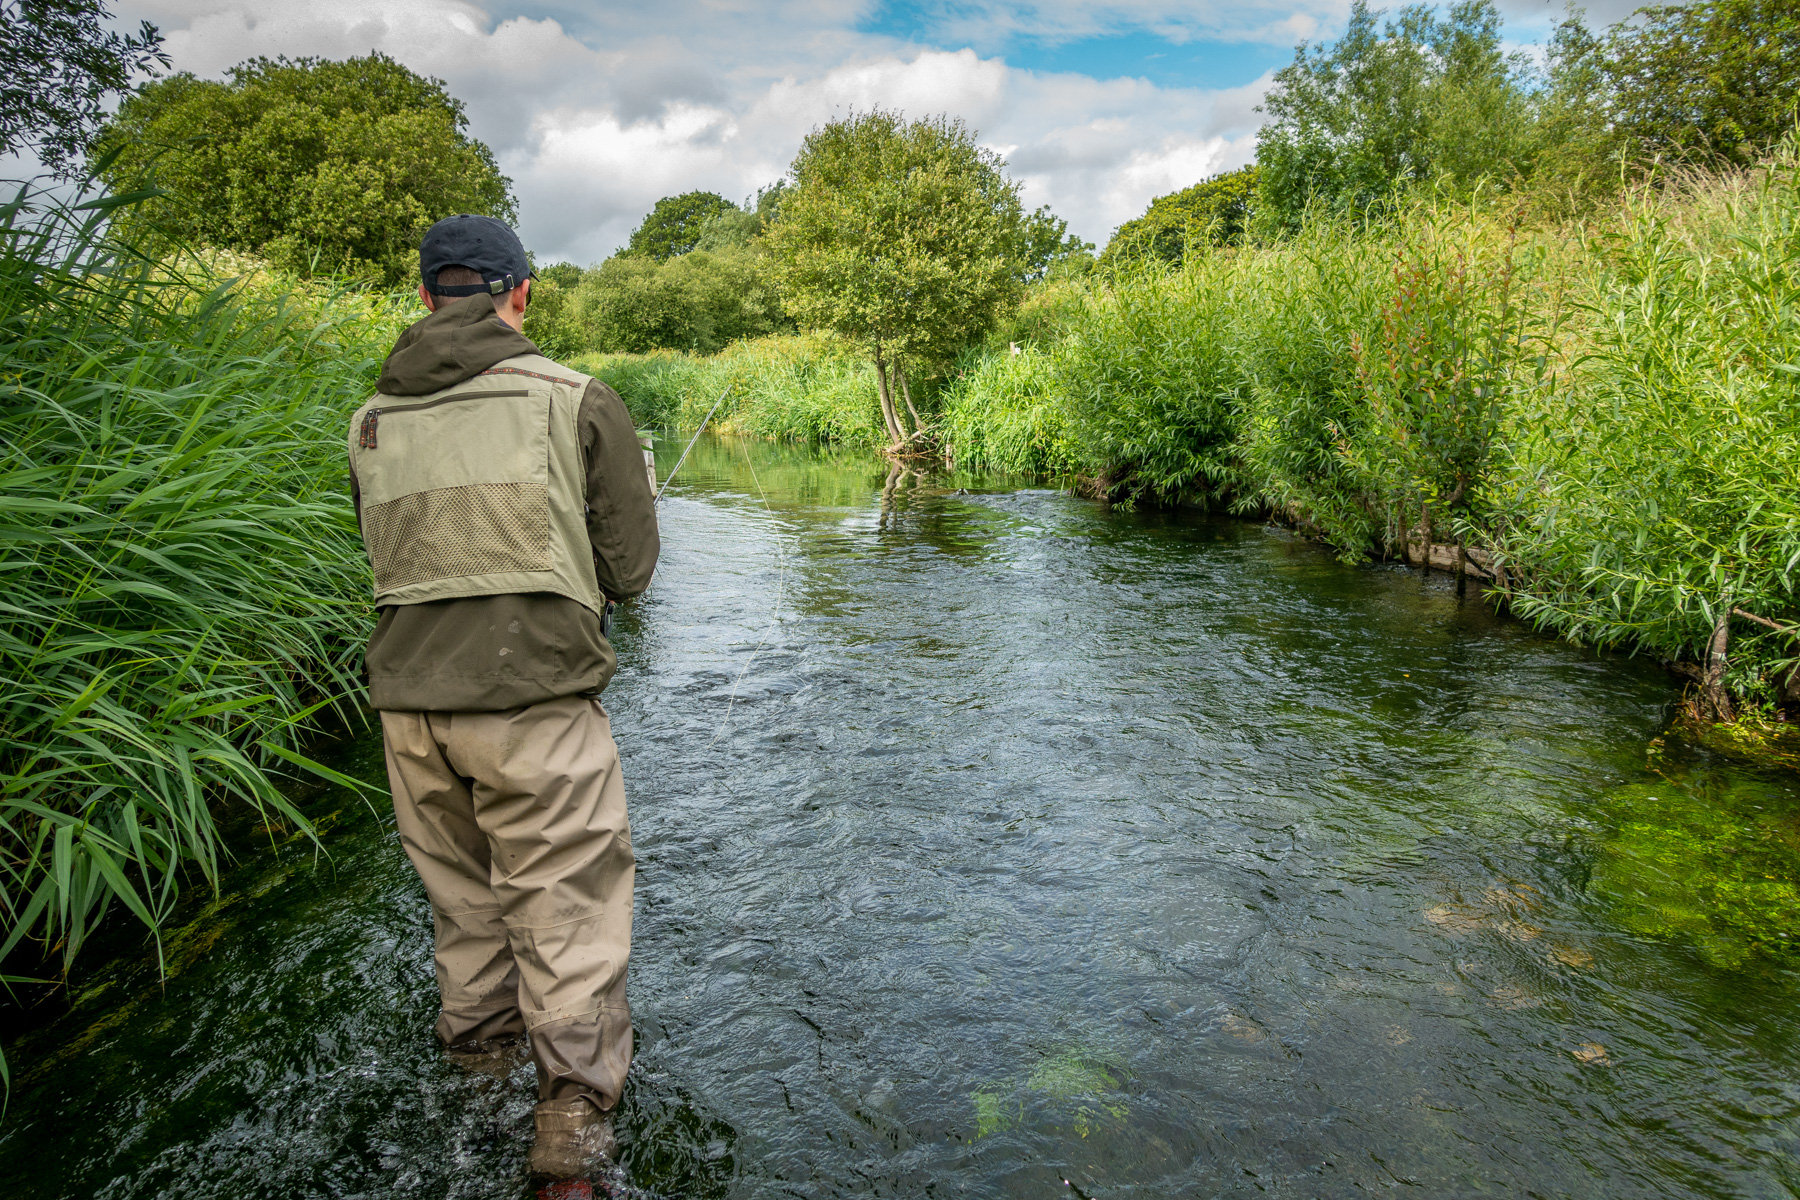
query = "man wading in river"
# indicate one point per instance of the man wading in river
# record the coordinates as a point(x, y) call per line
point(503, 501)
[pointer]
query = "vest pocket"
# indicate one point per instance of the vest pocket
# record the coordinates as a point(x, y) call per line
point(447, 533)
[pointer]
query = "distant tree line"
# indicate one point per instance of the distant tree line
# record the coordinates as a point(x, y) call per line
point(1429, 99)
point(701, 272)
point(904, 237)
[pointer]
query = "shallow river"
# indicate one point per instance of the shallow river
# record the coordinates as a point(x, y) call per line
point(995, 844)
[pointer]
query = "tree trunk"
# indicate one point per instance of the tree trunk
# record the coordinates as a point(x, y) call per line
point(894, 380)
point(1715, 701)
point(1425, 537)
point(887, 402)
point(1462, 568)
point(906, 394)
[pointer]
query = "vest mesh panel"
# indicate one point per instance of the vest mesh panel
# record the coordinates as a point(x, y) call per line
point(482, 529)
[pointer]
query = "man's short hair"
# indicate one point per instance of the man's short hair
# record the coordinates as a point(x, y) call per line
point(457, 276)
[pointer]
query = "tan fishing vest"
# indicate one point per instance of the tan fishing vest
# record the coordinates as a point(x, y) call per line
point(479, 489)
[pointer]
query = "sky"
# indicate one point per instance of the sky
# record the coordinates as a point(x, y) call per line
point(597, 109)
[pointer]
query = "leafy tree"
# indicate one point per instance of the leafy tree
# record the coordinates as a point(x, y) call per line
point(58, 64)
point(741, 226)
point(674, 226)
point(700, 301)
point(317, 166)
point(1424, 98)
point(565, 275)
point(903, 237)
point(1047, 247)
point(1715, 81)
point(1215, 212)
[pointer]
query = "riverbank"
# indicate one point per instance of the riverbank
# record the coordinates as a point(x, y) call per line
point(1604, 414)
point(186, 598)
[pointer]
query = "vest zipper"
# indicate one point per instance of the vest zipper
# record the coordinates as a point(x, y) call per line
point(449, 399)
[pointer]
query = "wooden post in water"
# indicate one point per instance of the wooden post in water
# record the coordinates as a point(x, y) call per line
point(648, 441)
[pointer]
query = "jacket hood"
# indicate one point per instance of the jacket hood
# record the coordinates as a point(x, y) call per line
point(461, 339)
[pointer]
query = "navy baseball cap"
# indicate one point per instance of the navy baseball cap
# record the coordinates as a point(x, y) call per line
point(479, 243)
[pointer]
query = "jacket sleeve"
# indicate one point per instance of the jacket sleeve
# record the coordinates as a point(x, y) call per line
point(621, 519)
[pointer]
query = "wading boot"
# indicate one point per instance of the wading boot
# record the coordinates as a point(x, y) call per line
point(574, 1140)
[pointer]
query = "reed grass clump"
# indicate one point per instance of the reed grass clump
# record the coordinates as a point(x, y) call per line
point(1655, 487)
point(804, 387)
point(1003, 412)
point(185, 586)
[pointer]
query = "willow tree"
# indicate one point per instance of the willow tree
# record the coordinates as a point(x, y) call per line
point(903, 237)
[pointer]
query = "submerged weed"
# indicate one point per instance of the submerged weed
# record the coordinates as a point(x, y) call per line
point(1709, 860)
point(1087, 1083)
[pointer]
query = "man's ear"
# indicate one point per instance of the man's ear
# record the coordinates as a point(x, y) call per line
point(521, 295)
point(428, 298)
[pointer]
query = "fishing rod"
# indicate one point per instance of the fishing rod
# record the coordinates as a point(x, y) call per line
point(691, 441)
point(606, 613)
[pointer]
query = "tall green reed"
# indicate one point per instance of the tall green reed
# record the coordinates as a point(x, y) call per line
point(1657, 486)
point(1004, 411)
point(185, 589)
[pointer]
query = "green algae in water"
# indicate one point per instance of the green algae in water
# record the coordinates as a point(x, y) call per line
point(1710, 858)
point(1090, 1080)
point(995, 1110)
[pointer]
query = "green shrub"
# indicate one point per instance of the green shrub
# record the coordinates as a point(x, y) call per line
point(1155, 393)
point(700, 302)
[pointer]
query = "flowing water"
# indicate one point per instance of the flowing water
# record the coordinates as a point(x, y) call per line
point(993, 843)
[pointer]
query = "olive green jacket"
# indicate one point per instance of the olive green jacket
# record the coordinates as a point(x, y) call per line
point(483, 646)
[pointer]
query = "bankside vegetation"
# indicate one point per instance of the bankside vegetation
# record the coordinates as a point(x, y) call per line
point(185, 585)
point(1606, 414)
